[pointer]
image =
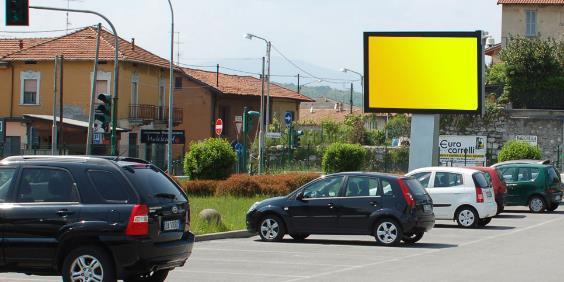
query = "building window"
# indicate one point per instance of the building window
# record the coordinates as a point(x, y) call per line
point(531, 23)
point(30, 85)
point(178, 82)
point(102, 82)
point(135, 89)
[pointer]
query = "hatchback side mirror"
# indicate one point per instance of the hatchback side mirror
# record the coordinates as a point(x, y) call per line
point(300, 196)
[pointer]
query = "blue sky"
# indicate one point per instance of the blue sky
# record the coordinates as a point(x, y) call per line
point(326, 33)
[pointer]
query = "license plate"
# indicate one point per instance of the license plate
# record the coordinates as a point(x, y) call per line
point(427, 208)
point(557, 198)
point(171, 225)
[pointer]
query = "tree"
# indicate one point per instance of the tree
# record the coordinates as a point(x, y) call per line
point(212, 158)
point(534, 71)
point(398, 126)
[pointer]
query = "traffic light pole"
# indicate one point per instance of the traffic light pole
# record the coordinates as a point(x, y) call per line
point(170, 92)
point(116, 68)
point(92, 95)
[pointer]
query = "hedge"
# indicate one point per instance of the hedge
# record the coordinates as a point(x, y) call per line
point(242, 185)
point(518, 150)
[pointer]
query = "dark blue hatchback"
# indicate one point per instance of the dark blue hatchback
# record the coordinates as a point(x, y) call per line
point(389, 207)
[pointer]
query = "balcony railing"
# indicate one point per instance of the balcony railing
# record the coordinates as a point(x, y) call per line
point(148, 113)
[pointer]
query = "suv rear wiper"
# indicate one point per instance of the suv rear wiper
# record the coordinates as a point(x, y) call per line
point(165, 195)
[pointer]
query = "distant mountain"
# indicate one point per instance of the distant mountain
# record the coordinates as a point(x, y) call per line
point(284, 72)
point(326, 91)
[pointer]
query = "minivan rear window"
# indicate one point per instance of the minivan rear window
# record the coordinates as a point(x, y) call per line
point(415, 187)
point(154, 186)
point(553, 175)
point(480, 180)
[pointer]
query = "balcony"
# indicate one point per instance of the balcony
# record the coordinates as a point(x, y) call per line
point(144, 114)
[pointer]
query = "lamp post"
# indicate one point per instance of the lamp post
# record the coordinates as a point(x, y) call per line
point(263, 116)
point(345, 70)
point(170, 91)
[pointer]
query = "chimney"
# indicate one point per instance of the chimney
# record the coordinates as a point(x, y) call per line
point(21, 44)
point(311, 109)
point(133, 44)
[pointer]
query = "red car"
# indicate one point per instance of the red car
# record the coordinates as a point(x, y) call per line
point(500, 189)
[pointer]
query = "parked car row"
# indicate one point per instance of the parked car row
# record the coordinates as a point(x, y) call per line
point(402, 208)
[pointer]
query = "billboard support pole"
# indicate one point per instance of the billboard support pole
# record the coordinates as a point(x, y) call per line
point(424, 141)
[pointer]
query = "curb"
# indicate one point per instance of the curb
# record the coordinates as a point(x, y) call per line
point(224, 235)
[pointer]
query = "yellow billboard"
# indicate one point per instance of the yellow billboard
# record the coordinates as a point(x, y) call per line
point(423, 72)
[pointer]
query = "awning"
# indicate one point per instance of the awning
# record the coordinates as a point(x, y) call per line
point(66, 121)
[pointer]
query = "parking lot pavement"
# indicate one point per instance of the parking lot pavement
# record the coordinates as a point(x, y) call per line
point(516, 246)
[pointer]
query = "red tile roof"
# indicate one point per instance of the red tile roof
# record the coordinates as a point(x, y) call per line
point(492, 50)
point(241, 85)
point(11, 45)
point(80, 45)
point(530, 2)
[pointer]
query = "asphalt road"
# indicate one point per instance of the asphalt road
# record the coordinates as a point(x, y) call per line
point(516, 246)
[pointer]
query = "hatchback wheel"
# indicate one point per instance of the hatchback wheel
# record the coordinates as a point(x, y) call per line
point(467, 217)
point(412, 238)
point(537, 204)
point(271, 228)
point(484, 221)
point(388, 232)
point(88, 264)
point(299, 237)
point(157, 276)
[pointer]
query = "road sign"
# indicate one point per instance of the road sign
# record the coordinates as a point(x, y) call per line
point(238, 118)
point(288, 117)
point(239, 148)
point(97, 138)
point(238, 125)
point(274, 135)
point(218, 127)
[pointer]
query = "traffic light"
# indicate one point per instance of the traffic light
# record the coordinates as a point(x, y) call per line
point(17, 12)
point(103, 111)
point(296, 138)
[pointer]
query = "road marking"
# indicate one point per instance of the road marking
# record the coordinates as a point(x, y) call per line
point(287, 252)
point(239, 273)
point(271, 262)
point(4, 279)
point(427, 252)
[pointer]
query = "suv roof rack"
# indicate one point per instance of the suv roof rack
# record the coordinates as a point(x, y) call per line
point(122, 159)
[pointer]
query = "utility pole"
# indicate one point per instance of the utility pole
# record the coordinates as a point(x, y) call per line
point(262, 123)
point(268, 47)
point(54, 131)
point(351, 98)
point(93, 94)
point(171, 90)
point(298, 83)
point(61, 123)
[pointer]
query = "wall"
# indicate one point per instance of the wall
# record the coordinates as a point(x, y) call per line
point(281, 106)
point(550, 20)
point(547, 125)
point(196, 100)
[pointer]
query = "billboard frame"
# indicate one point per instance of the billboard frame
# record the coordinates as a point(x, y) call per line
point(455, 34)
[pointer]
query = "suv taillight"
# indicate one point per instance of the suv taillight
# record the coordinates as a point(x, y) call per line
point(138, 224)
point(406, 194)
point(187, 220)
point(479, 195)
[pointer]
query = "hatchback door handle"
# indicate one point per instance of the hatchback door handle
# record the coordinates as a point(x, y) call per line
point(330, 205)
point(374, 203)
point(64, 213)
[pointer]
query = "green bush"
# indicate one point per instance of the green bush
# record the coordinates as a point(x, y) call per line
point(375, 137)
point(212, 158)
point(343, 157)
point(518, 150)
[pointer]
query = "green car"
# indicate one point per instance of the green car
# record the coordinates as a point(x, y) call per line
point(536, 185)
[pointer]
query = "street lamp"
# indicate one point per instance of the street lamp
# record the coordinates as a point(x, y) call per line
point(170, 92)
point(345, 70)
point(262, 110)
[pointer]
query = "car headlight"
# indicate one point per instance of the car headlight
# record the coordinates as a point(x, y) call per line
point(253, 206)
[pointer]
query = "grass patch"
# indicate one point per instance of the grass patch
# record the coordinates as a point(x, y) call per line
point(232, 209)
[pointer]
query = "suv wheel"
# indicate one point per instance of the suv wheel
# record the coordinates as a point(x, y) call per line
point(387, 232)
point(271, 228)
point(467, 217)
point(299, 237)
point(85, 264)
point(537, 204)
point(157, 276)
point(412, 238)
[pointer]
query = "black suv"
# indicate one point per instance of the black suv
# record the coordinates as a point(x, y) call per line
point(91, 219)
point(392, 208)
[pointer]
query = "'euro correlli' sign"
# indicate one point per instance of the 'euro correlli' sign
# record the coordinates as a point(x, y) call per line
point(462, 150)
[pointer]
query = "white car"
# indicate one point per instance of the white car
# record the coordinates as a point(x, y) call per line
point(459, 194)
